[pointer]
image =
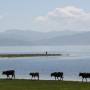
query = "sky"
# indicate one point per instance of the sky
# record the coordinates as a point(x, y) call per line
point(45, 15)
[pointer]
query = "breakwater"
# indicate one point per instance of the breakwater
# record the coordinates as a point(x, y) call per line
point(28, 55)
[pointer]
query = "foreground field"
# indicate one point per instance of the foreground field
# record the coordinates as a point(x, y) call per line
point(42, 85)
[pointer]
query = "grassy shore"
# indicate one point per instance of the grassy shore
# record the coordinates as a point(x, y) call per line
point(27, 55)
point(42, 85)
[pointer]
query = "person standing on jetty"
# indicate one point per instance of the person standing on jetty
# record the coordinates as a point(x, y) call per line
point(46, 52)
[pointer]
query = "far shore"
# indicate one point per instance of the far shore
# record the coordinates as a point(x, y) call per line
point(27, 55)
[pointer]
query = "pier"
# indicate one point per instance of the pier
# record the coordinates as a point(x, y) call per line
point(28, 55)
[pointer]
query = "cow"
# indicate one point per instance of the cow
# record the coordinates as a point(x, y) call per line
point(84, 75)
point(34, 74)
point(60, 75)
point(8, 73)
point(57, 75)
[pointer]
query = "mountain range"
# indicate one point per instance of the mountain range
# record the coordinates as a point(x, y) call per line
point(28, 37)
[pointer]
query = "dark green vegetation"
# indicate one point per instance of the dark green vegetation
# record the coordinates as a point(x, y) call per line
point(27, 55)
point(42, 85)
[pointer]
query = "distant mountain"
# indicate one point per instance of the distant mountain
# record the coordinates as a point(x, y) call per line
point(20, 37)
point(82, 38)
point(27, 37)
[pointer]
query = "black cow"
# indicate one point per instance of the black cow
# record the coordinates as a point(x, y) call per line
point(34, 74)
point(57, 75)
point(54, 74)
point(84, 75)
point(60, 75)
point(8, 73)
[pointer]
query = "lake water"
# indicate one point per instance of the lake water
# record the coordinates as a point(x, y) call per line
point(75, 59)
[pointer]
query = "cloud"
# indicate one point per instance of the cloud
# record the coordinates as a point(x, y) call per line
point(65, 18)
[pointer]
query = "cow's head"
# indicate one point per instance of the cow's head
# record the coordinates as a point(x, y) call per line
point(4, 72)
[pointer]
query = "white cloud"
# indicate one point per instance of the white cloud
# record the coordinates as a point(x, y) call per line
point(66, 18)
point(41, 18)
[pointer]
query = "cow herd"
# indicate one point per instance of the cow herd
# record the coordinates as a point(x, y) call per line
point(35, 75)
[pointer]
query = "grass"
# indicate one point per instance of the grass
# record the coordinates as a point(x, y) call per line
point(42, 85)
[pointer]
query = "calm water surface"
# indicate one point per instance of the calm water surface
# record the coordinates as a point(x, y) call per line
point(75, 59)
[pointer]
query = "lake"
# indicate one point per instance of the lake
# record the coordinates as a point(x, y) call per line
point(75, 59)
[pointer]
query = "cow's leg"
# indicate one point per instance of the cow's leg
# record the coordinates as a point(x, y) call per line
point(7, 76)
point(86, 79)
point(11, 76)
point(35, 77)
point(32, 78)
point(82, 79)
point(62, 78)
point(14, 76)
point(55, 78)
point(38, 77)
point(58, 78)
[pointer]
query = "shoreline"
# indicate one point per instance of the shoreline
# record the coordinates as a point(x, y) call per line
point(41, 80)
